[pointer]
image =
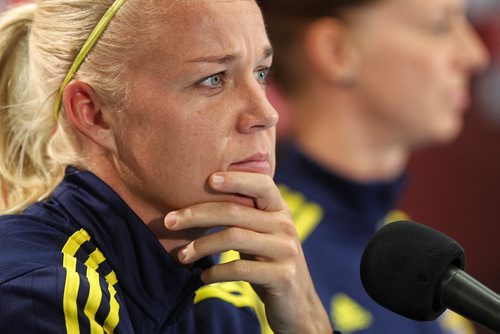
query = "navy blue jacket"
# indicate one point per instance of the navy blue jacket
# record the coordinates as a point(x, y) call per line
point(83, 262)
point(335, 218)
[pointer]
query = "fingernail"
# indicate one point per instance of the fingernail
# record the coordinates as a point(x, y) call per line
point(170, 219)
point(204, 277)
point(182, 255)
point(218, 180)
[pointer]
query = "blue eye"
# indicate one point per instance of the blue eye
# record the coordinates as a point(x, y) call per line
point(262, 75)
point(213, 81)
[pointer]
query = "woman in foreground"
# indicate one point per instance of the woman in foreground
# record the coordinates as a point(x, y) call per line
point(128, 129)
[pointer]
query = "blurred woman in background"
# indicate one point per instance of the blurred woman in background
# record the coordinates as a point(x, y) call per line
point(367, 82)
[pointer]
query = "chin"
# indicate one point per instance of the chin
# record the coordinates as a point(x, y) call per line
point(449, 134)
point(439, 135)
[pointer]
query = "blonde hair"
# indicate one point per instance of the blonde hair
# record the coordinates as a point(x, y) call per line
point(38, 43)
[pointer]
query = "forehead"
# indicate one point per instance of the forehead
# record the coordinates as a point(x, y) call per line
point(428, 7)
point(192, 28)
point(383, 16)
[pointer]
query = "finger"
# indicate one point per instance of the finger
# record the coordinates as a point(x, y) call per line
point(223, 214)
point(261, 187)
point(262, 247)
point(263, 274)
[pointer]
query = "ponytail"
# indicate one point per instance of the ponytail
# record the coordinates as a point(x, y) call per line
point(38, 45)
point(26, 172)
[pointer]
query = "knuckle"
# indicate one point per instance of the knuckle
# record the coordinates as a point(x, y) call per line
point(282, 275)
point(291, 249)
point(287, 274)
point(240, 268)
point(234, 235)
point(233, 209)
point(287, 226)
point(188, 215)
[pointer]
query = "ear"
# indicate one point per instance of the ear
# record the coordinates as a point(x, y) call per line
point(330, 52)
point(83, 110)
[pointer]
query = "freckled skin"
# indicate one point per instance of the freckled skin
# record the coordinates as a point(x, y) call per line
point(176, 132)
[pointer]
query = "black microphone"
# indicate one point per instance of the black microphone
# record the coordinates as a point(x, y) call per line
point(417, 272)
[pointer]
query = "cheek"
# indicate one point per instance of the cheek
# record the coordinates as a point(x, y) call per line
point(191, 154)
point(177, 169)
point(401, 78)
point(167, 161)
point(406, 90)
point(433, 116)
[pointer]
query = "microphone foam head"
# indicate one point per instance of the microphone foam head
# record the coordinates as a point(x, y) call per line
point(402, 267)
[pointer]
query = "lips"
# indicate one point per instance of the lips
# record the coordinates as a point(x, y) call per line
point(461, 100)
point(257, 163)
point(459, 96)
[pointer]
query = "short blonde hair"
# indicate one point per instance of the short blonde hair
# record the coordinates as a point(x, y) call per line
point(38, 43)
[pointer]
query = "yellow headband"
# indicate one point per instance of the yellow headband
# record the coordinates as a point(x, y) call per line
point(91, 41)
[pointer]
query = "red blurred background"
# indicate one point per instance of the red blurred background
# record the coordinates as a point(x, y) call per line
point(456, 188)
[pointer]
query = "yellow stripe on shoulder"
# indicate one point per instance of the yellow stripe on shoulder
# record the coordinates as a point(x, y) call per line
point(455, 323)
point(293, 199)
point(94, 298)
point(95, 259)
point(347, 315)
point(75, 242)
point(396, 215)
point(306, 214)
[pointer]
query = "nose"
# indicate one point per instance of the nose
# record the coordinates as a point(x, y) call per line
point(257, 113)
point(472, 50)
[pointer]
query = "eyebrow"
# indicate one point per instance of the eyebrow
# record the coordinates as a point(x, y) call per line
point(225, 59)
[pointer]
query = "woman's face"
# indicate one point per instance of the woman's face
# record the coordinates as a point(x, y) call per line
point(415, 59)
point(197, 104)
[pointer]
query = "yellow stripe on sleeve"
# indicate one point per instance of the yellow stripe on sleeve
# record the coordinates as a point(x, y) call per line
point(231, 292)
point(113, 317)
point(111, 278)
point(93, 301)
point(239, 294)
point(71, 287)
